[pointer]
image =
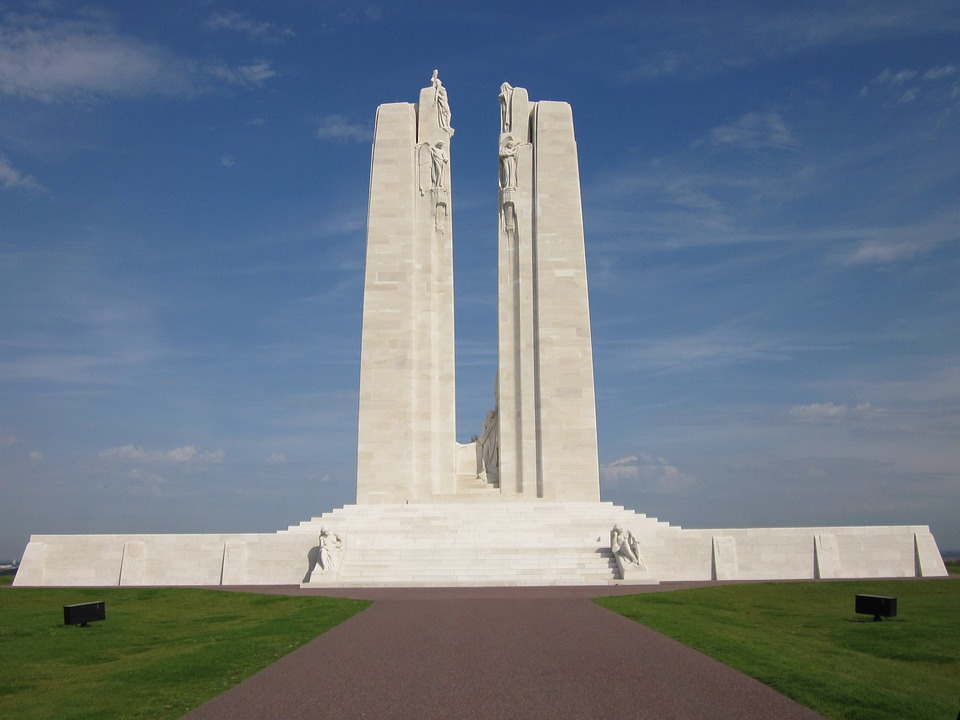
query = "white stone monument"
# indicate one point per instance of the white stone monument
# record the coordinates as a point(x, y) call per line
point(519, 504)
point(545, 394)
point(406, 441)
point(541, 440)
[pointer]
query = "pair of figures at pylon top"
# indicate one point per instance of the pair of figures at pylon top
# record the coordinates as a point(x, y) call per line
point(442, 104)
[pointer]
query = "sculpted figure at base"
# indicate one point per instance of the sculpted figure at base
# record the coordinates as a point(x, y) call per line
point(330, 554)
point(489, 451)
point(625, 546)
point(481, 472)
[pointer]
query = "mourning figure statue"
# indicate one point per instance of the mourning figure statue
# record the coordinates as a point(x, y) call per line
point(625, 545)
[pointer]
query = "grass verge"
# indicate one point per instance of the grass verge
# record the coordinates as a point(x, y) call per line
point(159, 654)
point(804, 640)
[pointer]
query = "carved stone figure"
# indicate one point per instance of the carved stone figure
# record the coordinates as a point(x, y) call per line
point(506, 107)
point(481, 473)
point(509, 152)
point(331, 552)
point(625, 545)
point(439, 159)
point(489, 449)
point(508, 213)
point(441, 103)
point(440, 215)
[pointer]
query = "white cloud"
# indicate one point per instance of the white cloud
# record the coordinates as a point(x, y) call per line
point(227, 161)
point(895, 244)
point(718, 347)
point(136, 474)
point(878, 251)
point(359, 10)
point(896, 80)
point(235, 22)
point(939, 72)
point(825, 412)
point(11, 178)
point(7, 440)
point(36, 457)
point(909, 96)
point(254, 75)
point(258, 73)
point(668, 63)
point(69, 59)
point(337, 127)
point(185, 454)
point(754, 131)
point(52, 61)
point(719, 40)
point(655, 474)
point(276, 459)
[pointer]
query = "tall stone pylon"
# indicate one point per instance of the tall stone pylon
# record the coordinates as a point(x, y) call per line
point(407, 425)
point(546, 406)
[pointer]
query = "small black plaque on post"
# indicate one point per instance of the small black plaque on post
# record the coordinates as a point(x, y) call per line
point(876, 605)
point(83, 614)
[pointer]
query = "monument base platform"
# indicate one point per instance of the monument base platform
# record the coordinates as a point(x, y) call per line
point(479, 544)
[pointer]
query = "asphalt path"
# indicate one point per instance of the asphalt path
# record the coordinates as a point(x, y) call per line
point(492, 653)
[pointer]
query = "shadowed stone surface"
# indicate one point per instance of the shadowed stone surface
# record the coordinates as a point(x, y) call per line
point(496, 653)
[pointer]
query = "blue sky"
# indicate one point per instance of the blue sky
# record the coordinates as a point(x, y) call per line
point(771, 198)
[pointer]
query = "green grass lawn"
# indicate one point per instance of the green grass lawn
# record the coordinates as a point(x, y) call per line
point(804, 640)
point(159, 653)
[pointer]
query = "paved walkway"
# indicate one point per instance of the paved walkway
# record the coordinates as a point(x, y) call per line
point(492, 653)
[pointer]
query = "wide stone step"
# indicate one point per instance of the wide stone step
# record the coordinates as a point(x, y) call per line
point(457, 543)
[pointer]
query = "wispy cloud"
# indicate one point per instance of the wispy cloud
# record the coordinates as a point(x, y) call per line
point(11, 178)
point(940, 72)
point(337, 127)
point(893, 78)
point(253, 75)
point(720, 39)
point(63, 59)
point(67, 320)
point(360, 10)
point(652, 473)
point(897, 244)
point(67, 59)
point(185, 454)
point(906, 84)
point(829, 412)
point(755, 131)
point(721, 346)
point(235, 22)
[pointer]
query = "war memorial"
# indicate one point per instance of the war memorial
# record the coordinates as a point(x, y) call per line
point(520, 504)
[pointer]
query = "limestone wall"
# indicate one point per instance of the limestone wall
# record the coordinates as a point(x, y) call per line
point(547, 407)
point(407, 425)
point(522, 543)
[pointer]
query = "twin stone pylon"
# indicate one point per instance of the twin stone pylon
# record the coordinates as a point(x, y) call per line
point(540, 442)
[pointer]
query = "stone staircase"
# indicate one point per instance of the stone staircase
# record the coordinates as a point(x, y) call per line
point(478, 543)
